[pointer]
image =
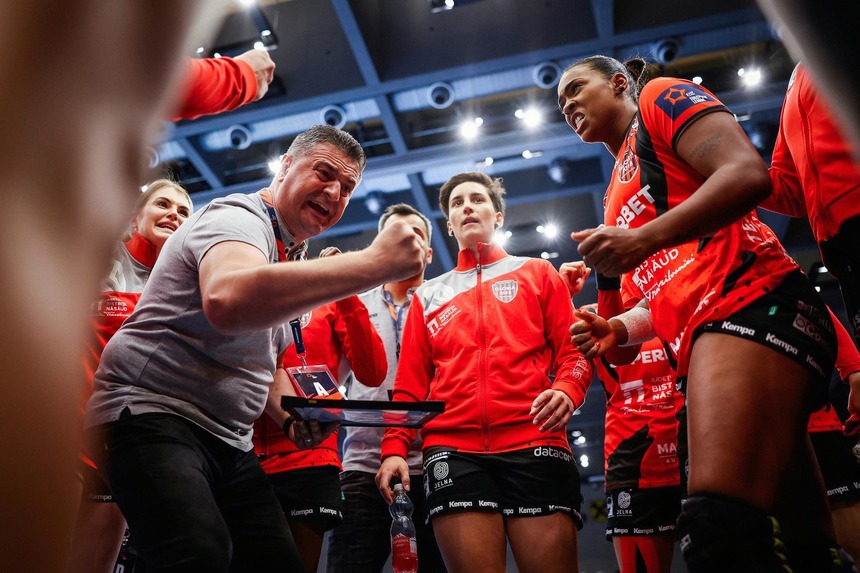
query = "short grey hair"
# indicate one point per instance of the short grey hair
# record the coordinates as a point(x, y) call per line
point(404, 210)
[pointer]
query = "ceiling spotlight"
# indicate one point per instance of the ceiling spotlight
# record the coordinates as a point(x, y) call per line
point(274, 165)
point(531, 116)
point(375, 201)
point(440, 95)
point(500, 238)
point(752, 77)
point(333, 115)
point(546, 74)
point(559, 170)
point(488, 161)
point(469, 128)
point(247, 2)
point(583, 461)
point(440, 5)
point(549, 230)
point(665, 50)
point(239, 136)
point(697, 79)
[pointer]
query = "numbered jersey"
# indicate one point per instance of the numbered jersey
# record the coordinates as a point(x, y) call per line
point(640, 447)
point(700, 281)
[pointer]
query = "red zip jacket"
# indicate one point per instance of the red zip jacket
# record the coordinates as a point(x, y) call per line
point(129, 270)
point(484, 338)
point(812, 169)
point(331, 333)
point(215, 85)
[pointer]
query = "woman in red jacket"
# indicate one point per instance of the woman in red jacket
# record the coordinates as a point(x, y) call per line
point(159, 211)
point(486, 338)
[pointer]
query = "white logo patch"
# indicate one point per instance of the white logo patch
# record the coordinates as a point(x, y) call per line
point(623, 500)
point(505, 291)
point(440, 470)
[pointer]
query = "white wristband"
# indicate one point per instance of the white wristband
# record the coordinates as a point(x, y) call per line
point(640, 327)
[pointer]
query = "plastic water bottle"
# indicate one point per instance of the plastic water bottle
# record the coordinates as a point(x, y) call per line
point(404, 547)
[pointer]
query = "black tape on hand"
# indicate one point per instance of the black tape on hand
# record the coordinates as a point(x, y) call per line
point(607, 283)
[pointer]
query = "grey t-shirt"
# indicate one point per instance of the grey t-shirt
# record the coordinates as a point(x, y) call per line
point(167, 358)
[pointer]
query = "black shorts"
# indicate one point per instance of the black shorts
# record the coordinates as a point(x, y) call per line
point(311, 495)
point(94, 487)
point(524, 483)
point(792, 320)
point(841, 470)
point(642, 511)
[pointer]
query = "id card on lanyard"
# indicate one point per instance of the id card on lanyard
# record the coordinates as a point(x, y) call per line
point(314, 381)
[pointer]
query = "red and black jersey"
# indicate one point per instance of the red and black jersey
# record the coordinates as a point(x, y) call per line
point(331, 333)
point(640, 446)
point(700, 281)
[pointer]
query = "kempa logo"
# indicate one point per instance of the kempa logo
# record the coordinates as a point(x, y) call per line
point(623, 500)
point(778, 342)
point(440, 470)
point(530, 511)
point(453, 504)
point(742, 330)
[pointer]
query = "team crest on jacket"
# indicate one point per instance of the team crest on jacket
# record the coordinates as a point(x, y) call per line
point(628, 166)
point(505, 291)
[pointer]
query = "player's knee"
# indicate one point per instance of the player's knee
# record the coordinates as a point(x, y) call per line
point(719, 534)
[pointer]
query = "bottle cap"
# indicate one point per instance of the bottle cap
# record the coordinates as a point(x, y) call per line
point(398, 487)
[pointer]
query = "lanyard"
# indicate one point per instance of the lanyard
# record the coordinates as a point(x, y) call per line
point(396, 313)
point(296, 326)
point(279, 241)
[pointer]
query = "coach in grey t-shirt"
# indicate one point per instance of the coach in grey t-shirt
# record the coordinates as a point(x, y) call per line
point(182, 382)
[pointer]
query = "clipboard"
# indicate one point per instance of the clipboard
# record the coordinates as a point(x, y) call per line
point(364, 413)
